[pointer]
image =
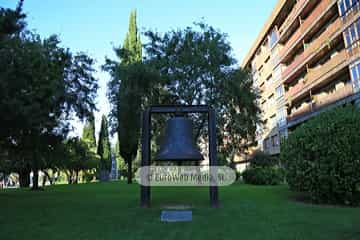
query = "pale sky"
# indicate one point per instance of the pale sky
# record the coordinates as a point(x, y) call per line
point(95, 26)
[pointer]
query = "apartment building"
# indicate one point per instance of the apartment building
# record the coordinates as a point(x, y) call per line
point(305, 60)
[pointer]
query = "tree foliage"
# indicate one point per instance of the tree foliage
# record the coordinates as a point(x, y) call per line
point(131, 51)
point(321, 157)
point(197, 67)
point(42, 87)
point(88, 135)
point(104, 148)
point(78, 157)
point(11, 21)
point(127, 90)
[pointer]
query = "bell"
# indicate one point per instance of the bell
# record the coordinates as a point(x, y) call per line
point(178, 143)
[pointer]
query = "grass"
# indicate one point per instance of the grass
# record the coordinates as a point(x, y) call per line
point(110, 211)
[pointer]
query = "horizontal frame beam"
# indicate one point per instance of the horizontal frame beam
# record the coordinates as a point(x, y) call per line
point(179, 109)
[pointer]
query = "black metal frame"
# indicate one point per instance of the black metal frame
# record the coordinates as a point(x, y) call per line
point(146, 149)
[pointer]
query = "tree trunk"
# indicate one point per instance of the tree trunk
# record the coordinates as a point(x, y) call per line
point(129, 173)
point(48, 177)
point(68, 175)
point(35, 179)
point(24, 177)
point(76, 176)
point(44, 179)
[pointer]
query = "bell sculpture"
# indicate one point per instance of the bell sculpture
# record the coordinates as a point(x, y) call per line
point(178, 144)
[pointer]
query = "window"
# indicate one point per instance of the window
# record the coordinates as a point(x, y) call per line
point(355, 75)
point(267, 143)
point(342, 8)
point(277, 73)
point(279, 91)
point(273, 38)
point(346, 6)
point(283, 134)
point(275, 140)
point(281, 117)
point(352, 34)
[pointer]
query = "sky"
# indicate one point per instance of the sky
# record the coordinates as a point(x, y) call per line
point(95, 26)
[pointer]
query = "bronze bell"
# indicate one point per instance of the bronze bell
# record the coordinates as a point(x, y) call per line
point(178, 144)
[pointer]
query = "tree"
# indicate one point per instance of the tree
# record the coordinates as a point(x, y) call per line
point(128, 99)
point(132, 48)
point(77, 157)
point(120, 163)
point(42, 87)
point(11, 21)
point(103, 149)
point(88, 135)
point(130, 81)
point(197, 67)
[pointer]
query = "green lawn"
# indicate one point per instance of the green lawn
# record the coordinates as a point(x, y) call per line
point(110, 211)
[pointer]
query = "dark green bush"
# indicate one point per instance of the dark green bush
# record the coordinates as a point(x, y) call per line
point(322, 157)
point(262, 175)
point(263, 170)
point(261, 159)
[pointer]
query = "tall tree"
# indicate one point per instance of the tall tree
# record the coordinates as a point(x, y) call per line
point(130, 80)
point(104, 148)
point(197, 67)
point(12, 21)
point(88, 135)
point(43, 85)
point(132, 48)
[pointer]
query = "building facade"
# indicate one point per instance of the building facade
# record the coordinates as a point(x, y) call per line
point(305, 60)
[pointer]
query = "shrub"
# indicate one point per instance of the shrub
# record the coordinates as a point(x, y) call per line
point(322, 157)
point(262, 175)
point(264, 170)
point(262, 159)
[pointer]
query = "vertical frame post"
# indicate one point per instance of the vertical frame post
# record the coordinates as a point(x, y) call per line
point(214, 194)
point(145, 156)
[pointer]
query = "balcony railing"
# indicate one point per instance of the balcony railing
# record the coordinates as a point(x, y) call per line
point(323, 100)
point(311, 19)
point(295, 89)
point(313, 47)
point(305, 108)
point(292, 16)
point(316, 73)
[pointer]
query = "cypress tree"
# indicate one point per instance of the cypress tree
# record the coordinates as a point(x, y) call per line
point(132, 43)
point(88, 135)
point(104, 150)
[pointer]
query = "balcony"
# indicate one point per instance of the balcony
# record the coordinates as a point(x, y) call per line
point(292, 16)
point(316, 73)
point(319, 10)
point(320, 101)
point(303, 109)
point(325, 99)
point(313, 47)
point(295, 89)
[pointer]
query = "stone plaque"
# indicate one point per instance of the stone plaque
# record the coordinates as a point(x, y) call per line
point(176, 216)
